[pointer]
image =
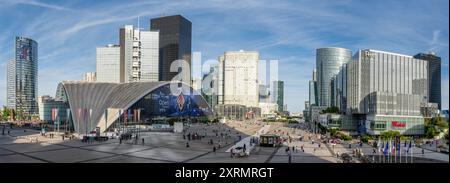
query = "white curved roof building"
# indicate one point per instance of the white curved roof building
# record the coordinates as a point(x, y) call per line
point(99, 105)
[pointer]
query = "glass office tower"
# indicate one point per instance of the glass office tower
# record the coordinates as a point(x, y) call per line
point(328, 63)
point(22, 78)
point(174, 43)
point(279, 94)
point(434, 76)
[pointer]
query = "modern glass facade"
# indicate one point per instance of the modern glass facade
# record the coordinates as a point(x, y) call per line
point(340, 89)
point(22, 77)
point(328, 63)
point(279, 94)
point(108, 64)
point(434, 76)
point(407, 125)
point(11, 84)
point(390, 85)
point(174, 43)
point(46, 104)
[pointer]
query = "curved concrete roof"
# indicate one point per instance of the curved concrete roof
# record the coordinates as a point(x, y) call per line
point(101, 96)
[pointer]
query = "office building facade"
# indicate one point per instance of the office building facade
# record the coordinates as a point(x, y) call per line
point(175, 34)
point(328, 62)
point(238, 78)
point(434, 76)
point(313, 98)
point(278, 94)
point(139, 55)
point(388, 89)
point(108, 64)
point(90, 77)
point(47, 105)
point(22, 78)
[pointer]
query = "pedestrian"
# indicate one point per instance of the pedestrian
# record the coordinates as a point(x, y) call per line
point(120, 140)
point(423, 151)
point(187, 144)
point(142, 141)
point(8, 132)
point(214, 149)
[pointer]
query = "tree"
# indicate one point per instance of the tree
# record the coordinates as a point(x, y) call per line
point(435, 126)
point(5, 113)
point(333, 109)
point(389, 134)
point(446, 137)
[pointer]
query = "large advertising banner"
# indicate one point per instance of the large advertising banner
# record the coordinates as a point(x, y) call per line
point(161, 102)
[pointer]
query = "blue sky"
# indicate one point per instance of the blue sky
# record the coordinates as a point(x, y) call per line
point(69, 31)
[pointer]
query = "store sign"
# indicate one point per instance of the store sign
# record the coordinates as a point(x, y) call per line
point(398, 124)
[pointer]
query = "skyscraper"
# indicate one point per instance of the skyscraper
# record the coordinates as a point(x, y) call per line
point(238, 78)
point(22, 78)
point(328, 62)
point(388, 88)
point(108, 64)
point(174, 43)
point(90, 77)
point(11, 84)
point(139, 55)
point(278, 94)
point(313, 98)
point(434, 76)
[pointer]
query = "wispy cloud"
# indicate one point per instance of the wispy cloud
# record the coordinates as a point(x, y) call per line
point(69, 31)
point(36, 4)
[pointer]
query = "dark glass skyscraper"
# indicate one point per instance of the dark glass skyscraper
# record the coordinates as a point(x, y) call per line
point(434, 76)
point(22, 74)
point(174, 43)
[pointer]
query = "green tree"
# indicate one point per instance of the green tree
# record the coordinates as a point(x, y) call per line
point(389, 134)
point(435, 126)
point(333, 132)
point(333, 109)
point(446, 137)
point(5, 113)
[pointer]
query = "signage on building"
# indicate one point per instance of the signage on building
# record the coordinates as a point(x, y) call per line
point(398, 124)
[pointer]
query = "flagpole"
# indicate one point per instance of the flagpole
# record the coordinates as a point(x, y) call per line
point(395, 151)
point(400, 149)
point(412, 151)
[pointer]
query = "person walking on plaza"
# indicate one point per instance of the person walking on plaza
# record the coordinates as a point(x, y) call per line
point(142, 141)
point(187, 144)
point(214, 149)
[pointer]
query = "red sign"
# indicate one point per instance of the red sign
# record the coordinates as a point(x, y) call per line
point(398, 124)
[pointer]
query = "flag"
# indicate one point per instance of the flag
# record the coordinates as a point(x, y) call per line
point(386, 148)
point(139, 115)
point(53, 114)
point(409, 147)
point(129, 113)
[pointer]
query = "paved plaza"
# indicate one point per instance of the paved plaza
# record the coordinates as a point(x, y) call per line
point(28, 146)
